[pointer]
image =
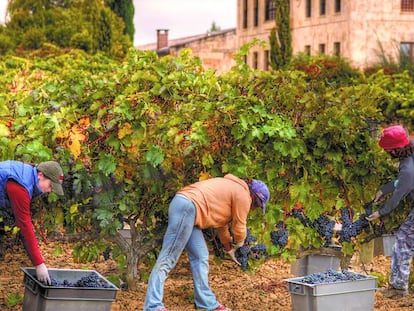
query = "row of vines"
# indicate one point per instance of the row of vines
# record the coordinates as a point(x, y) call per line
point(129, 134)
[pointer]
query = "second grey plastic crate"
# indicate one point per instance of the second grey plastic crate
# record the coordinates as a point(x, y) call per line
point(315, 263)
point(384, 245)
point(355, 295)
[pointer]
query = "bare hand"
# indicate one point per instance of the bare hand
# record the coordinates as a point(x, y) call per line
point(373, 216)
point(378, 196)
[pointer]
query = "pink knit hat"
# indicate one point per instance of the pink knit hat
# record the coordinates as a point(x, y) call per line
point(394, 137)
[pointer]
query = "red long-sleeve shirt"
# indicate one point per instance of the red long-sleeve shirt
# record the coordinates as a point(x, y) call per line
point(20, 203)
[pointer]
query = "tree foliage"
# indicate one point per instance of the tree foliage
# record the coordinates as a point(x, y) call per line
point(214, 27)
point(88, 25)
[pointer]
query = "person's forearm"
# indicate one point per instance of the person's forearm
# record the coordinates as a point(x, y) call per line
point(388, 188)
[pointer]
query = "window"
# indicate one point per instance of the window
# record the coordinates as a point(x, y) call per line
point(270, 10)
point(255, 60)
point(308, 50)
point(322, 48)
point(245, 13)
point(337, 49)
point(407, 52)
point(266, 60)
point(407, 5)
point(338, 6)
point(256, 12)
point(322, 7)
point(308, 8)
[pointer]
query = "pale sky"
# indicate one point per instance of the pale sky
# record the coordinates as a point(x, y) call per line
point(182, 17)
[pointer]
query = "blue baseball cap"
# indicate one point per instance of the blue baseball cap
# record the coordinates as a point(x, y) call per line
point(262, 191)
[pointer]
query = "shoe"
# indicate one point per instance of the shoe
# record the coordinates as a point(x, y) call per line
point(163, 309)
point(391, 292)
point(222, 308)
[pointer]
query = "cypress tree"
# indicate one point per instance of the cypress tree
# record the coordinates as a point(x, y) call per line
point(280, 38)
point(124, 9)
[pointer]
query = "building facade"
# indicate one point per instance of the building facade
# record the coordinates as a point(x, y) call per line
point(361, 31)
point(215, 49)
point(255, 19)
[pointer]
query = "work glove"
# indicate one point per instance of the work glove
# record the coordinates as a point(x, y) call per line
point(232, 254)
point(42, 274)
point(232, 251)
point(238, 245)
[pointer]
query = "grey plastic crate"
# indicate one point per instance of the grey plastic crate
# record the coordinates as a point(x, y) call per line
point(40, 297)
point(355, 295)
point(384, 245)
point(314, 263)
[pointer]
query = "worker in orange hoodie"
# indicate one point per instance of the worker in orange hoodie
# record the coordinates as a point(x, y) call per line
point(212, 203)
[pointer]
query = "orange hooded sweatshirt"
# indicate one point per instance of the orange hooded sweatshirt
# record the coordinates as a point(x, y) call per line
point(220, 201)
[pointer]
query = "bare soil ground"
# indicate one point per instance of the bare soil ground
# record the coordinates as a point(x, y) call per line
point(264, 289)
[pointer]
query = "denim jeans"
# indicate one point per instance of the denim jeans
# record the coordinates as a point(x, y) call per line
point(181, 234)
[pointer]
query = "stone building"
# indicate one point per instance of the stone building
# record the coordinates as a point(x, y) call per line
point(361, 31)
point(215, 49)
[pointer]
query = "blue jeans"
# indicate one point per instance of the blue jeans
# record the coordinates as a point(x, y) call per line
point(181, 234)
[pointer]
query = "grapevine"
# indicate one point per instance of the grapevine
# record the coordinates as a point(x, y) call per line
point(322, 224)
point(211, 236)
point(129, 134)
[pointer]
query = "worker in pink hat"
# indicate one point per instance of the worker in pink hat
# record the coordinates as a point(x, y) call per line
point(395, 141)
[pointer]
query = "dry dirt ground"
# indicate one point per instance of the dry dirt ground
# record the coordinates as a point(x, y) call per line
point(264, 289)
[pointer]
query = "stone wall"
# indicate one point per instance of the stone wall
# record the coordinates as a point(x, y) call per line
point(215, 50)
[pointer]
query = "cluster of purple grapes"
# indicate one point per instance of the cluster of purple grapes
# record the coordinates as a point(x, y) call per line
point(325, 228)
point(211, 236)
point(91, 280)
point(298, 213)
point(331, 276)
point(279, 237)
point(322, 224)
point(242, 256)
point(107, 253)
point(7, 218)
point(248, 250)
point(352, 228)
point(258, 250)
